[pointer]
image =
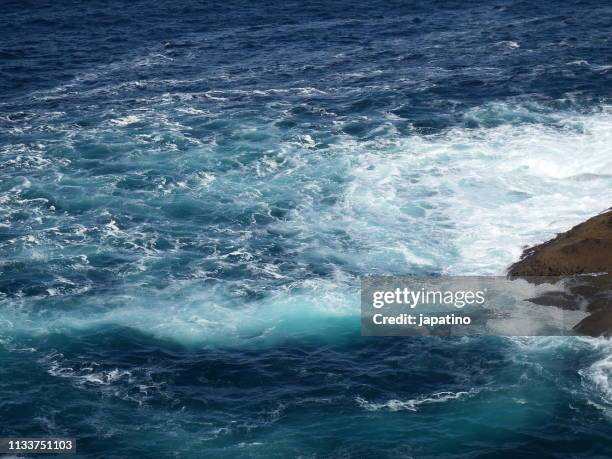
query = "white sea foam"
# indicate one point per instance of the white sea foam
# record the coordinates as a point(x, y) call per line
point(469, 200)
point(600, 374)
point(462, 202)
point(597, 378)
point(136, 384)
point(126, 120)
point(415, 403)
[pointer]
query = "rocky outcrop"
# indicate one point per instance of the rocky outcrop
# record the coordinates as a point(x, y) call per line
point(584, 249)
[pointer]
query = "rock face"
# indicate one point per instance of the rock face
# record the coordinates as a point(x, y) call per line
point(586, 248)
point(597, 324)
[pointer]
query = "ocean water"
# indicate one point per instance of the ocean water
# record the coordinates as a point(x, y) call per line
point(189, 192)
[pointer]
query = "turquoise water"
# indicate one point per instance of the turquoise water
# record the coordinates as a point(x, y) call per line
point(189, 196)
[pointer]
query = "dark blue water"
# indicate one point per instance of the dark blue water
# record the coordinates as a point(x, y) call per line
point(189, 193)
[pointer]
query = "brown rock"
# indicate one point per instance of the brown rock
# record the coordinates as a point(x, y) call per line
point(586, 248)
point(559, 299)
point(597, 324)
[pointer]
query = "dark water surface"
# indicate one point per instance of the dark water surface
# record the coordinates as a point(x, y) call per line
point(189, 192)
